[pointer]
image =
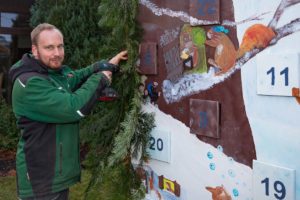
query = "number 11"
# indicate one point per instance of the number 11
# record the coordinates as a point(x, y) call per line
point(285, 72)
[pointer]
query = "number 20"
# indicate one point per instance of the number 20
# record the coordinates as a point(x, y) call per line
point(159, 144)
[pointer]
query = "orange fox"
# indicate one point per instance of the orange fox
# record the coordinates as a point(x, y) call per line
point(219, 193)
point(256, 36)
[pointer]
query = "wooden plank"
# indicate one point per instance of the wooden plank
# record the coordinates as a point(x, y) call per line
point(15, 31)
point(16, 6)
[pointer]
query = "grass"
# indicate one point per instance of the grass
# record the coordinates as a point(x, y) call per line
point(8, 187)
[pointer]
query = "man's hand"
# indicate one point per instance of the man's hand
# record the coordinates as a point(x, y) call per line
point(123, 55)
point(108, 74)
point(115, 61)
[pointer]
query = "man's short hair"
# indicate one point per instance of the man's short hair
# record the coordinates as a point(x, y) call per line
point(38, 29)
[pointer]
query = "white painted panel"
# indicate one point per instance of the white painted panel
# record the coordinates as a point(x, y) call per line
point(160, 145)
point(277, 73)
point(272, 182)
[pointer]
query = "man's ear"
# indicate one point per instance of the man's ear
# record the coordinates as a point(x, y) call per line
point(34, 51)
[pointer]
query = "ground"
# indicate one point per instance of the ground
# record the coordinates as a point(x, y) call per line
point(8, 187)
point(7, 163)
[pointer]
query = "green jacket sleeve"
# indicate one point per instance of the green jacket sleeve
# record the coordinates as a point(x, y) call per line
point(42, 101)
point(76, 77)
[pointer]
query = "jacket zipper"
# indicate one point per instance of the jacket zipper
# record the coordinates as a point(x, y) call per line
point(60, 158)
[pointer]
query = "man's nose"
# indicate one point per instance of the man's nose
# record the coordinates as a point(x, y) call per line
point(57, 51)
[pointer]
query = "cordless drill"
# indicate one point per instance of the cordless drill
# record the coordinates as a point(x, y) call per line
point(108, 94)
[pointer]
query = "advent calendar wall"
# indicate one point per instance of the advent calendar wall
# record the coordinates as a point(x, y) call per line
point(222, 78)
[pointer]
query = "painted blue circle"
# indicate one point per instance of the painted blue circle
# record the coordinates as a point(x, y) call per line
point(235, 192)
point(212, 166)
point(231, 173)
point(220, 148)
point(210, 155)
point(231, 159)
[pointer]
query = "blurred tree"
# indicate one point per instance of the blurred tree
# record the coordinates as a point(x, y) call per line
point(9, 134)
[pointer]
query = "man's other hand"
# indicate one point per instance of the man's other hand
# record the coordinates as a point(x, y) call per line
point(123, 55)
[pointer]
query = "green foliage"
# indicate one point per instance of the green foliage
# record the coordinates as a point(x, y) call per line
point(115, 131)
point(77, 191)
point(134, 136)
point(78, 21)
point(40, 11)
point(122, 129)
point(112, 187)
point(8, 128)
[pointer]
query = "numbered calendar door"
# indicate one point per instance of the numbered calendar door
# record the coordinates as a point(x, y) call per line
point(272, 182)
point(204, 117)
point(277, 74)
point(160, 145)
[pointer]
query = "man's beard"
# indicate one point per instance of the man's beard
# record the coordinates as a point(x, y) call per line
point(57, 60)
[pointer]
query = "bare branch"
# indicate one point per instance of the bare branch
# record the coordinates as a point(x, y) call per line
point(285, 30)
point(252, 18)
point(280, 9)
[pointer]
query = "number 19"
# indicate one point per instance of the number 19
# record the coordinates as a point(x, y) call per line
point(278, 187)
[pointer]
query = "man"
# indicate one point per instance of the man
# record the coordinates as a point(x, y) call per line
point(48, 100)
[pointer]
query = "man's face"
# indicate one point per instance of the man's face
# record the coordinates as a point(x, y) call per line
point(50, 48)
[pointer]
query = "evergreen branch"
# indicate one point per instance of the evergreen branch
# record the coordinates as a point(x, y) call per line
point(140, 141)
point(123, 139)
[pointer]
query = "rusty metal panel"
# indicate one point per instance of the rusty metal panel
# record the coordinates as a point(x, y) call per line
point(148, 58)
point(206, 10)
point(172, 61)
point(204, 117)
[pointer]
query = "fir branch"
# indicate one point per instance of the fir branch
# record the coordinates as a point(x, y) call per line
point(123, 139)
point(140, 140)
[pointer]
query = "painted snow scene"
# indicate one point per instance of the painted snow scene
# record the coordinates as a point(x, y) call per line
point(223, 79)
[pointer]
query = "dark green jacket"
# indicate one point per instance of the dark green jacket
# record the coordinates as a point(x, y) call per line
point(48, 105)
